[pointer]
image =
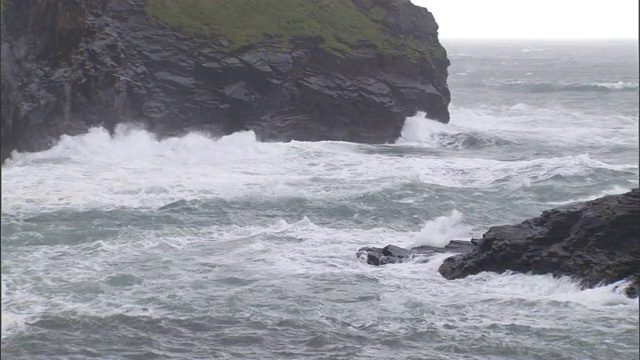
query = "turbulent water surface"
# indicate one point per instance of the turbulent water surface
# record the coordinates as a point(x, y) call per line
point(194, 247)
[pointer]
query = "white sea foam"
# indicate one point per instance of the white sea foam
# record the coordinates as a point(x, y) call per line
point(313, 252)
point(11, 322)
point(617, 85)
point(133, 169)
point(418, 129)
point(566, 86)
point(441, 230)
point(265, 234)
point(18, 307)
point(531, 49)
point(522, 122)
point(614, 190)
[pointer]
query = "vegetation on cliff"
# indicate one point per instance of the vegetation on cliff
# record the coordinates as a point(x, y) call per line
point(340, 23)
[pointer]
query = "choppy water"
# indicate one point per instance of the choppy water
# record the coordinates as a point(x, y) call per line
point(130, 248)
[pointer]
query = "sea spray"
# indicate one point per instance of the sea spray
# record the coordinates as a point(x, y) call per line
point(441, 230)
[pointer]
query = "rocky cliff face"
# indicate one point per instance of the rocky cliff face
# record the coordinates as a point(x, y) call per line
point(69, 65)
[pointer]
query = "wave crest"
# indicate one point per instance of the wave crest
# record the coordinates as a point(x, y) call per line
point(430, 133)
point(548, 87)
point(441, 230)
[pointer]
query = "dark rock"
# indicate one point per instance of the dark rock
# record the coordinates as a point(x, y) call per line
point(632, 290)
point(392, 254)
point(69, 65)
point(597, 242)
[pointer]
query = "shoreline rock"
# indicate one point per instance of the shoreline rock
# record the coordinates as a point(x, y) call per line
point(596, 242)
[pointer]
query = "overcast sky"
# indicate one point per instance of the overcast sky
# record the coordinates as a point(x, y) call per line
point(534, 19)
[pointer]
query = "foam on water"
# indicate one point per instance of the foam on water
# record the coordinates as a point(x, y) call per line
point(441, 230)
point(530, 49)
point(305, 249)
point(611, 191)
point(241, 247)
point(513, 125)
point(11, 321)
point(551, 87)
point(222, 270)
point(135, 170)
point(617, 85)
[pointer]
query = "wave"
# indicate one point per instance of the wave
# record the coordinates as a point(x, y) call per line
point(549, 87)
point(513, 147)
point(531, 49)
point(489, 173)
point(441, 230)
point(12, 321)
point(429, 133)
point(518, 288)
point(615, 190)
point(529, 125)
point(133, 145)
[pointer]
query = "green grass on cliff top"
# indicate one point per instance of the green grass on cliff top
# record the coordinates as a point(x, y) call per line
point(247, 22)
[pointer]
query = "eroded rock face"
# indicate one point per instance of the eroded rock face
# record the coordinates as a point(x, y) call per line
point(597, 242)
point(69, 65)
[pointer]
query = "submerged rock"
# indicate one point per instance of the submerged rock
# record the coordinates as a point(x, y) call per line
point(353, 71)
point(392, 254)
point(597, 242)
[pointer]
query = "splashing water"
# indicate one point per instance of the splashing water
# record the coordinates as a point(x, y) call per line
point(193, 247)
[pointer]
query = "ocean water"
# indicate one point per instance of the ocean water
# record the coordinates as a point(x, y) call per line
point(198, 248)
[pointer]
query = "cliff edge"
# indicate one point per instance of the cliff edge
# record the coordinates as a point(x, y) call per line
point(348, 70)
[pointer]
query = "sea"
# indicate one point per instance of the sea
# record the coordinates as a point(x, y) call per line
point(127, 247)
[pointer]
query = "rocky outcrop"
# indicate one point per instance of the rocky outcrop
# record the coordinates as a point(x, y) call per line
point(392, 254)
point(597, 242)
point(69, 65)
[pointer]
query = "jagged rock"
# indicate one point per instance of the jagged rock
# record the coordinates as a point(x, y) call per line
point(632, 290)
point(597, 242)
point(69, 65)
point(392, 254)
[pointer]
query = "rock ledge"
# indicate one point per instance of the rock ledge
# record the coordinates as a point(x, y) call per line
point(596, 242)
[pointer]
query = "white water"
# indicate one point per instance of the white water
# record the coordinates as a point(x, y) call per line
point(200, 247)
point(134, 171)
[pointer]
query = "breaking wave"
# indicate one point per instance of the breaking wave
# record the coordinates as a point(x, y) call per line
point(549, 87)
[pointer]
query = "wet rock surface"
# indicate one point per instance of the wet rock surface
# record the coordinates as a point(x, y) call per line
point(596, 242)
point(392, 254)
point(69, 65)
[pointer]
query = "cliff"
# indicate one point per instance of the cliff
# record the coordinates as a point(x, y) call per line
point(286, 69)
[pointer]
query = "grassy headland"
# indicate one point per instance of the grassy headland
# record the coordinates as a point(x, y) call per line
point(247, 22)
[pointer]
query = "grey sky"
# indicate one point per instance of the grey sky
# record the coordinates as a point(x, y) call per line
point(535, 19)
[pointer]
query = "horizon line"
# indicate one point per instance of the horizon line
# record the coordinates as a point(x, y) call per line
point(543, 39)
